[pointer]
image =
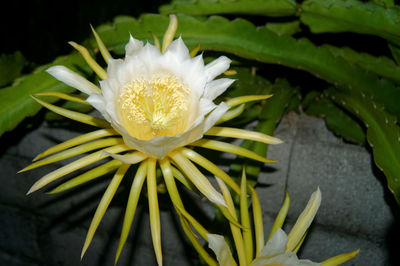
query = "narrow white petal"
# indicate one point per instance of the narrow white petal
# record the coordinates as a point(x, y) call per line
point(98, 102)
point(179, 50)
point(132, 46)
point(205, 107)
point(221, 249)
point(217, 67)
point(276, 245)
point(216, 87)
point(215, 115)
point(113, 68)
point(72, 79)
point(286, 259)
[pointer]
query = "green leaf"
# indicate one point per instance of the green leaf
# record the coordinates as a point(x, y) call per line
point(384, 3)
point(383, 134)
point(239, 37)
point(340, 122)
point(352, 15)
point(395, 50)
point(15, 100)
point(11, 66)
point(271, 113)
point(273, 8)
point(242, 38)
point(288, 28)
point(382, 66)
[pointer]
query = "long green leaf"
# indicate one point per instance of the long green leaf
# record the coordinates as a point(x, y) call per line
point(242, 38)
point(15, 100)
point(273, 8)
point(271, 112)
point(11, 66)
point(383, 134)
point(337, 120)
point(382, 66)
point(352, 15)
point(239, 37)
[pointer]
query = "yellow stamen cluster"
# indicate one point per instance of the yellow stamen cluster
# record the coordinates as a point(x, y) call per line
point(155, 107)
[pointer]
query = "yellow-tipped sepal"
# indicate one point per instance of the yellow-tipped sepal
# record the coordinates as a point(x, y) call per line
point(341, 258)
point(103, 205)
point(304, 221)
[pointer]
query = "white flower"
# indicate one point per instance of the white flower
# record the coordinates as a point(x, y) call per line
point(155, 102)
point(281, 248)
point(159, 102)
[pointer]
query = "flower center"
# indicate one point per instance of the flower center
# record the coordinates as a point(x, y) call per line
point(155, 107)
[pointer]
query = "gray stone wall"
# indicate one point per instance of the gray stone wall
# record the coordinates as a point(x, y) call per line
point(357, 211)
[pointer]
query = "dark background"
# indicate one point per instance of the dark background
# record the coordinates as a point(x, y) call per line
point(41, 29)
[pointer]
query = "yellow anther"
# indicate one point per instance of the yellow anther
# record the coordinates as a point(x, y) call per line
point(155, 107)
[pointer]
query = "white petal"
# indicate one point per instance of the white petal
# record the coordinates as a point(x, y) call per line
point(221, 249)
point(217, 67)
point(149, 55)
point(215, 115)
point(72, 79)
point(98, 102)
point(114, 67)
point(132, 46)
point(193, 74)
point(216, 87)
point(276, 245)
point(205, 107)
point(286, 259)
point(159, 147)
point(179, 50)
